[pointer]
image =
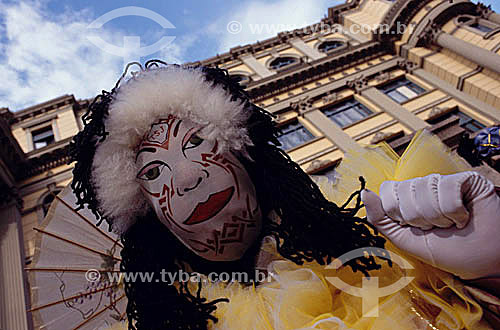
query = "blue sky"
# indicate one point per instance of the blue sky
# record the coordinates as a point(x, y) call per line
point(46, 51)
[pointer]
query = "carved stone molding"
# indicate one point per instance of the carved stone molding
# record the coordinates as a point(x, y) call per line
point(408, 65)
point(317, 164)
point(429, 35)
point(302, 106)
point(483, 10)
point(330, 97)
point(387, 136)
point(358, 84)
point(436, 111)
point(380, 136)
point(383, 77)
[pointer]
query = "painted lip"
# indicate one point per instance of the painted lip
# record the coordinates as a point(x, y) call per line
point(214, 204)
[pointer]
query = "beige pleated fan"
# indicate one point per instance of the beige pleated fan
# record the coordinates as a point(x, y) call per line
point(74, 278)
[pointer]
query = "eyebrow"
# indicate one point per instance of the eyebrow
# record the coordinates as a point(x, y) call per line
point(153, 150)
point(176, 129)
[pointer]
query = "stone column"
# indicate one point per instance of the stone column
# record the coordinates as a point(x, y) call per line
point(395, 109)
point(479, 106)
point(256, 66)
point(332, 131)
point(471, 52)
point(12, 287)
point(305, 49)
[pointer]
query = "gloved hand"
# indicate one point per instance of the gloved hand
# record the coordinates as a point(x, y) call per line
point(464, 205)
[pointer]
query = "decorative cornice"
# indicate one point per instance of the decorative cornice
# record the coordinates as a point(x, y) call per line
point(41, 108)
point(399, 14)
point(429, 28)
point(429, 35)
point(358, 84)
point(334, 12)
point(483, 10)
point(305, 73)
point(382, 77)
point(45, 162)
point(408, 65)
point(330, 97)
point(303, 105)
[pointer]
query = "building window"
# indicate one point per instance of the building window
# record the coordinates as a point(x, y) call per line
point(241, 79)
point(42, 137)
point(467, 123)
point(281, 62)
point(401, 90)
point(475, 24)
point(45, 202)
point(293, 134)
point(464, 19)
point(480, 27)
point(347, 113)
point(329, 45)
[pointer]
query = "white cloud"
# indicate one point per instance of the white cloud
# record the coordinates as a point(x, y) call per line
point(260, 20)
point(45, 57)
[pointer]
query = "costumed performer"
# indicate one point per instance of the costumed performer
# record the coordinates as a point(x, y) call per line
point(188, 171)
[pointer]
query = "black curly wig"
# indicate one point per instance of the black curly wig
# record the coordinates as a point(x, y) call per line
point(311, 228)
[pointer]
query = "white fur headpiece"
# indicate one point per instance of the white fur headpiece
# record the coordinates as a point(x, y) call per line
point(138, 103)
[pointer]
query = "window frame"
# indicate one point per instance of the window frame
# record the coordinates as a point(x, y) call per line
point(455, 111)
point(40, 203)
point(247, 77)
point(297, 61)
point(29, 133)
point(343, 103)
point(344, 45)
point(495, 28)
point(292, 122)
point(407, 82)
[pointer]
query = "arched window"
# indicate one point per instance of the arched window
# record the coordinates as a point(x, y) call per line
point(329, 45)
point(281, 62)
point(242, 79)
point(464, 19)
point(45, 201)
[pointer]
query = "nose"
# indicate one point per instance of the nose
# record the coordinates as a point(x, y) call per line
point(188, 178)
point(186, 189)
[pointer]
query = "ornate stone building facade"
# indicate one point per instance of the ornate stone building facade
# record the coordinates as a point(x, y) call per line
point(371, 71)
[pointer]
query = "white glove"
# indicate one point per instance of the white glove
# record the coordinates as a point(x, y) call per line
point(465, 203)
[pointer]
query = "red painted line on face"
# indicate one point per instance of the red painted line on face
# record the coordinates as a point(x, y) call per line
point(170, 220)
point(214, 204)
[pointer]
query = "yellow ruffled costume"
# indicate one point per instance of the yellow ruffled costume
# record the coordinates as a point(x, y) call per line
point(301, 297)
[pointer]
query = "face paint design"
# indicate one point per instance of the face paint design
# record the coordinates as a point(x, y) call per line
point(206, 199)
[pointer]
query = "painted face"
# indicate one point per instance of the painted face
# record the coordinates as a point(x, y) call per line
point(206, 199)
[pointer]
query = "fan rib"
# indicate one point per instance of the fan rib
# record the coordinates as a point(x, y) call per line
point(89, 222)
point(77, 244)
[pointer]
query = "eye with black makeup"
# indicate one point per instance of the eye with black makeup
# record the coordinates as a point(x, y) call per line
point(193, 142)
point(151, 171)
